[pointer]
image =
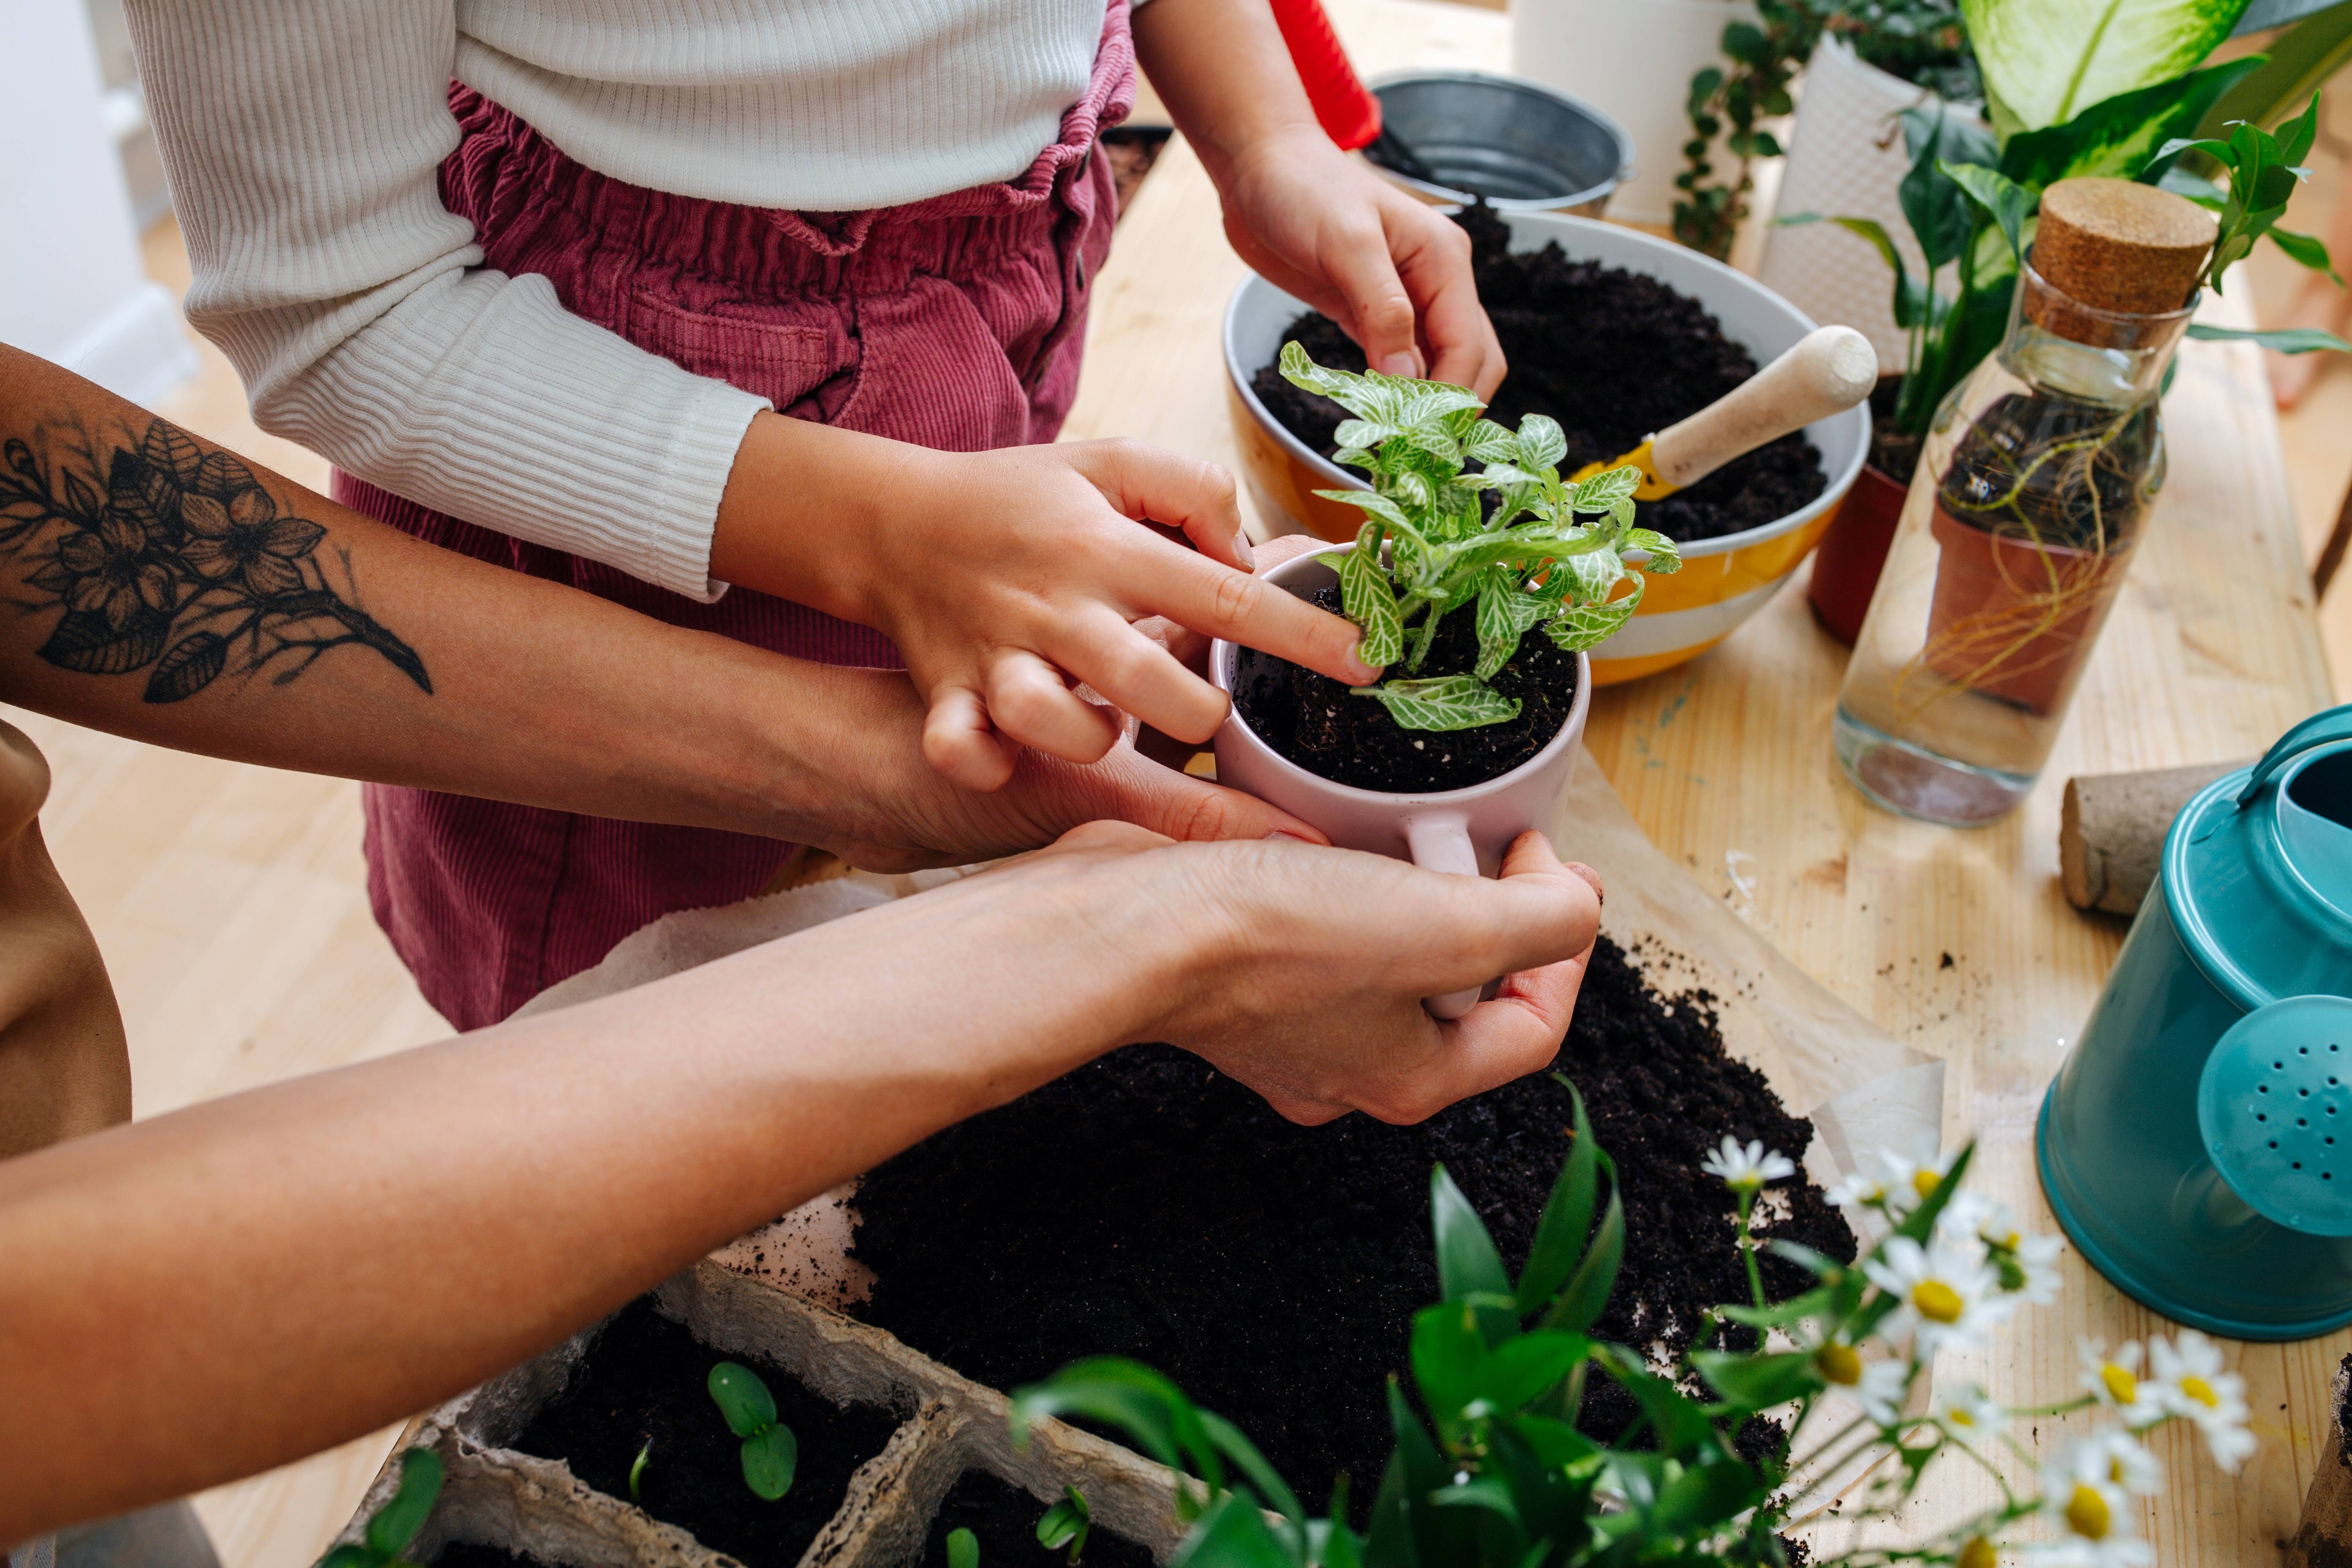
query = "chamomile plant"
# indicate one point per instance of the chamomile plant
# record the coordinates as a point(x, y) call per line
point(1490, 1469)
point(1526, 548)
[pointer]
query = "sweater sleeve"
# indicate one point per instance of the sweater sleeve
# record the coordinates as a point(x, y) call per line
point(303, 140)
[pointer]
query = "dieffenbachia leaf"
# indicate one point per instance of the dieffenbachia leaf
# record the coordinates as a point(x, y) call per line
point(1605, 490)
point(1443, 702)
point(1542, 443)
point(1664, 556)
point(2046, 61)
point(1367, 599)
point(1581, 626)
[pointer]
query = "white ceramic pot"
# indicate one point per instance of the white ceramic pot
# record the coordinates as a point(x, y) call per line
point(1460, 831)
point(1631, 60)
point(1723, 581)
point(1845, 160)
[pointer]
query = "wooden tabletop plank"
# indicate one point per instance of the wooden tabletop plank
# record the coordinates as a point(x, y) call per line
point(1958, 941)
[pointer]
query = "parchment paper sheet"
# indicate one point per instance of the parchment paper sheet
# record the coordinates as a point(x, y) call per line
point(1863, 1090)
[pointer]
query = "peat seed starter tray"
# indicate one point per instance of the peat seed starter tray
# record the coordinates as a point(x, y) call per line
point(536, 1508)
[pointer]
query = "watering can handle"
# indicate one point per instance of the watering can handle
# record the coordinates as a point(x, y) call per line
point(2333, 724)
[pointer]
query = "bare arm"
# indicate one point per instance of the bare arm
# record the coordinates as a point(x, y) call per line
point(155, 585)
point(200, 1295)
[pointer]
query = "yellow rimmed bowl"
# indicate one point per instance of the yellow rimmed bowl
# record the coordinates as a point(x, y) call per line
point(1723, 581)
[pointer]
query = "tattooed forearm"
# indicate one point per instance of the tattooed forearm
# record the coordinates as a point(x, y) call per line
point(168, 559)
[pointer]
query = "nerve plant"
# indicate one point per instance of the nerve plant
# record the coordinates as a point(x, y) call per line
point(770, 1452)
point(1490, 1470)
point(1433, 543)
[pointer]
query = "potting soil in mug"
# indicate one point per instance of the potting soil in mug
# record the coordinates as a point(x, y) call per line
point(1615, 356)
point(1005, 1520)
point(647, 1377)
point(1147, 1206)
point(1325, 728)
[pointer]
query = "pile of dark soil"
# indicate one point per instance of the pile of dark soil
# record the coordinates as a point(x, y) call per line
point(1615, 356)
point(1147, 1206)
point(466, 1554)
point(1132, 149)
point(646, 1376)
point(1319, 723)
point(1005, 1518)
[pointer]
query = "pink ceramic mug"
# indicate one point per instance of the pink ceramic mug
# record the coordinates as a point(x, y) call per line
point(1465, 831)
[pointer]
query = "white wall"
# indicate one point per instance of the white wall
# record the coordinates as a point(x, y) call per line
point(71, 289)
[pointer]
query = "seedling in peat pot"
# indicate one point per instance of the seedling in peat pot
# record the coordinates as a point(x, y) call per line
point(637, 1471)
point(963, 1549)
point(1066, 1523)
point(1432, 545)
point(771, 1452)
point(396, 1524)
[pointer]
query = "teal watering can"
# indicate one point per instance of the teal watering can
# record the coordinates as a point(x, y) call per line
point(2197, 1143)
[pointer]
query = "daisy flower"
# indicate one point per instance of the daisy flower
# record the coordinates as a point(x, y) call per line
point(2087, 1490)
point(2116, 1381)
point(2027, 1265)
point(1910, 1182)
point(1859, 1190)
point(1943, 1291)
point(1969, 1414)
point(1746, 1170)
point(1882, 1389)
point(2188, 1376)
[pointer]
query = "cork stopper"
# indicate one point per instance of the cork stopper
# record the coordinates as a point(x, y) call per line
point(2115, 245)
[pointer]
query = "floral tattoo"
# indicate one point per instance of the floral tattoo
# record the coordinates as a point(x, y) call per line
point(173, 560)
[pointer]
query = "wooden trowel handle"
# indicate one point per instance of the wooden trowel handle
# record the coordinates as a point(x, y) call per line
point(1829, 371)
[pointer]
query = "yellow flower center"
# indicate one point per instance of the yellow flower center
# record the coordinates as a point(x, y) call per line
point(2086, 1514)
point(2198, 1389)
point(2116, 1471)
point(1977, 1553)
point(1925, 1181)
point(1839, 1363)
point(1936, 1301)
point(2121, 1386)
point(1960, 1417)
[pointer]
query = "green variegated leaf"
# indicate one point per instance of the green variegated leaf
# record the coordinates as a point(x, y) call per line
point(1443, 702)
point(1581, 626)
point(1490, 443)
point(1309, 376)
point(1368, 600)
point(1427, 400)
point(1605, 490)
point(1360, 432)
point(1592, 576)
point(1498, 628)
point(1379, 506)
point(1352, 458)
point(1542, 444)
point(1505, 474)
point(1665, 557)
point(2046, 61)
point(1411, 488)
point(1434, 440)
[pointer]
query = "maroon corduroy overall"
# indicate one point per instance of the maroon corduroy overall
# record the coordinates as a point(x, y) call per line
point(954, 322)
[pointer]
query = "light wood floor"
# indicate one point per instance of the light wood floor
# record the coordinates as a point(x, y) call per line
point(231, 905)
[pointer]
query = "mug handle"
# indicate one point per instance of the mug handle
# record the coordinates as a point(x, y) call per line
point(1441, 842)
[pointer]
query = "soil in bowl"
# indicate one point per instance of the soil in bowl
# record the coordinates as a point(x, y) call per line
point(1147, 1206)
point(1615, 355)
point(1316, 723)
point(645, 1377)
point(1004, 1518)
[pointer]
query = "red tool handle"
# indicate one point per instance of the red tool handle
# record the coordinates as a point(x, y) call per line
point(1348, 113)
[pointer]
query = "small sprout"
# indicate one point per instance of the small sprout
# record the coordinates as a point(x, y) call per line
point(963, 1549)
point(1066, 1523)
point(771, 1452)
point(396, 1524)
point(637, 1471)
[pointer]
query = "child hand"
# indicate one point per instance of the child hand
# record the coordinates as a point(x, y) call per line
point(1006, 578)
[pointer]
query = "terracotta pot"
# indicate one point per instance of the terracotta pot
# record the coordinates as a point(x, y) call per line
point(1847, 562)
point(2016, 620)
point(1463, 831)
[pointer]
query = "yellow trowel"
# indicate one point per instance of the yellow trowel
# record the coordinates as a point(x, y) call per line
point(1828, 371)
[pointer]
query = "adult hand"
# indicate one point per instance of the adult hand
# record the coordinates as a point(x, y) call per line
point(1391, 271)
point(1299, 970)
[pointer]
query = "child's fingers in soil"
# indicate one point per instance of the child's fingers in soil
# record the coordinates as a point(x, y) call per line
point(1249, 611)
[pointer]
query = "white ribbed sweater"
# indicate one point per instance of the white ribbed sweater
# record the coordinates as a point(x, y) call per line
point(303, 139)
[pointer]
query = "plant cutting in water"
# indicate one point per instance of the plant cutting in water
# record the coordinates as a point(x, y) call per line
point(1431, 544)
point(1066, 1523)
point(1490, 1472)
point(771, 1452)
point(392, 1527)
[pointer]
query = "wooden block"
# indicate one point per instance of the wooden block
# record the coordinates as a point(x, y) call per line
point(2111, 830)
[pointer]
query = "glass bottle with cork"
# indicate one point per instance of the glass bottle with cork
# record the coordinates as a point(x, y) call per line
point(2028, 501)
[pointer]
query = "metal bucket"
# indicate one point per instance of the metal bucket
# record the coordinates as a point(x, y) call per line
point(2197, 1143)
point(1523, 146)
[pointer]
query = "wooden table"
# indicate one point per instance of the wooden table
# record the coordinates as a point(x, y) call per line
point(1957, 942)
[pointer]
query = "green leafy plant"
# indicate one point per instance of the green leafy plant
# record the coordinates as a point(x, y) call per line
point(637, 1471)
point(394, 1525)
point(1431, 544)
point(963, 1549)
point(1067, 1524)
point(1490, 1471)
point(771, 1452)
